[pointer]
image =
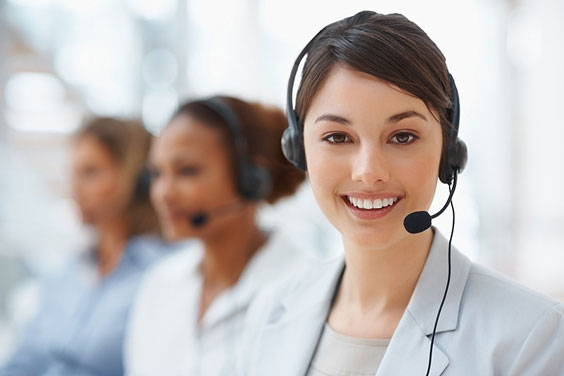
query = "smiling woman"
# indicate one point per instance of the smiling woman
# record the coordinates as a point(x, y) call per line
point(385, 146)
point(375, 125)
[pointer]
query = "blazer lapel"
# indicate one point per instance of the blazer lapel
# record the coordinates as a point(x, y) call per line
point(295, 327)
point(408, 351)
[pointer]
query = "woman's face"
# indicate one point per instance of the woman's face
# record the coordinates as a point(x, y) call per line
point(373, 154)
point(191, 173)
point(95, 181)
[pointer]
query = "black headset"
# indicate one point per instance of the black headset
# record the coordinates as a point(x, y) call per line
point(455, 152)
point(142, 186)
point(253, 182)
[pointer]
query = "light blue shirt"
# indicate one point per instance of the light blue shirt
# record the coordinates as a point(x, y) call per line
point(79, 329)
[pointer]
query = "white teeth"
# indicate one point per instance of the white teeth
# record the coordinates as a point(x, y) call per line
point(377, 203)
point(368, 204)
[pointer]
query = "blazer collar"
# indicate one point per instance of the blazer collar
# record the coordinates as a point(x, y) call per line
point(408, 351)
point(430, 287)
point(299, 319)
point(295, 325)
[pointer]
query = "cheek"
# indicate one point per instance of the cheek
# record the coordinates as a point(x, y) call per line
point(220, 182)
point(155, 193)
point(109, 186)
point(325, 172)
point(106, 195)
point(419, 178)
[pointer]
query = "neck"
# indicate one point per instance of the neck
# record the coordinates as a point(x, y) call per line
point(226, 256)
point(383, 280)
point(112, 241)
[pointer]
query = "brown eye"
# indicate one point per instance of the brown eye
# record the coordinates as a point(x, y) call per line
point(337, 138)
point(404, 138)
point(189, 170)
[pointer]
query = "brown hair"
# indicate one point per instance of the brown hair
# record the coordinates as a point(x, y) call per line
point(389, 47)
point(128, 142)
point(262, 127)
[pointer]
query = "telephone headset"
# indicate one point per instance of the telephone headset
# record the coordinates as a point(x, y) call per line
point(143, 183)
point(452, 163)
point(254, 182)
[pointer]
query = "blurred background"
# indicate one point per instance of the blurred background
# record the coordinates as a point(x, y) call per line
point(63, 59)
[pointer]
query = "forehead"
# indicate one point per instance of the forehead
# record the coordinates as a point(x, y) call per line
point(187, 135)
point(89, 148)
point(350, 92)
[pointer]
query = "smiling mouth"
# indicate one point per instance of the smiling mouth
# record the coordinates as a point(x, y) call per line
point(371, 205)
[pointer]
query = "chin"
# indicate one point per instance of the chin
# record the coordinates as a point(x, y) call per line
point(87, 219)
point(374, 237)
point(175, 233)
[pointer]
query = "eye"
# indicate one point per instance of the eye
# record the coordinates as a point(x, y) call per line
point(189, 170)
point(90, 172)
point(337, 138)
point(404, 138)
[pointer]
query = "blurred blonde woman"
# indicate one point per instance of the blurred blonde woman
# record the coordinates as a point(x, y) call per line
point(79, 329)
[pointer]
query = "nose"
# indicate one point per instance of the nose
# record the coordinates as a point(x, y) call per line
point(370, 165)
point(163, 190)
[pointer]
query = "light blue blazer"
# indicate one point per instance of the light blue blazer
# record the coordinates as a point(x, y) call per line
point(489, 325)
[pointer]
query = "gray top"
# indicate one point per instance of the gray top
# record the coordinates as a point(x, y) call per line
point(340, 355)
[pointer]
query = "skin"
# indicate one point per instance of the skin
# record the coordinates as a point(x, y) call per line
point(100, 197)
point(368, 139)
point(192, 173)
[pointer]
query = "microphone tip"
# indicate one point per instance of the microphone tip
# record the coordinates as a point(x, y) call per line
point(417, 222)
point(198, 219)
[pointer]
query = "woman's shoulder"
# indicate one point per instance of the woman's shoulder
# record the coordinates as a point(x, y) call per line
point(520, 330)
point(493, 293)
point(177, 264)
point(143, 251)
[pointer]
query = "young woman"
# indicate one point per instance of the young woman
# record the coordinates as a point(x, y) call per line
point(79, 329)
point(376, 125)
point(212, 166)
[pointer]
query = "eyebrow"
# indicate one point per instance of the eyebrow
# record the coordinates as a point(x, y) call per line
point(333, 118)
point(391, 120)
point(183, 158)
point(404, 115)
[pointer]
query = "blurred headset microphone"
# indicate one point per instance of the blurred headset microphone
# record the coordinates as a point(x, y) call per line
point(201, 218)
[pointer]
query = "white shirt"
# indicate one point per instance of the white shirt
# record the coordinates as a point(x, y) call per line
point(164, 337)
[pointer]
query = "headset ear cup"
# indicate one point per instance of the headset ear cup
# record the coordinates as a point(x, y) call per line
point(255, 183)
point(142, 184)
point(293, 149)
point(286, 142)
point(460, 155)
point(455, 161)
